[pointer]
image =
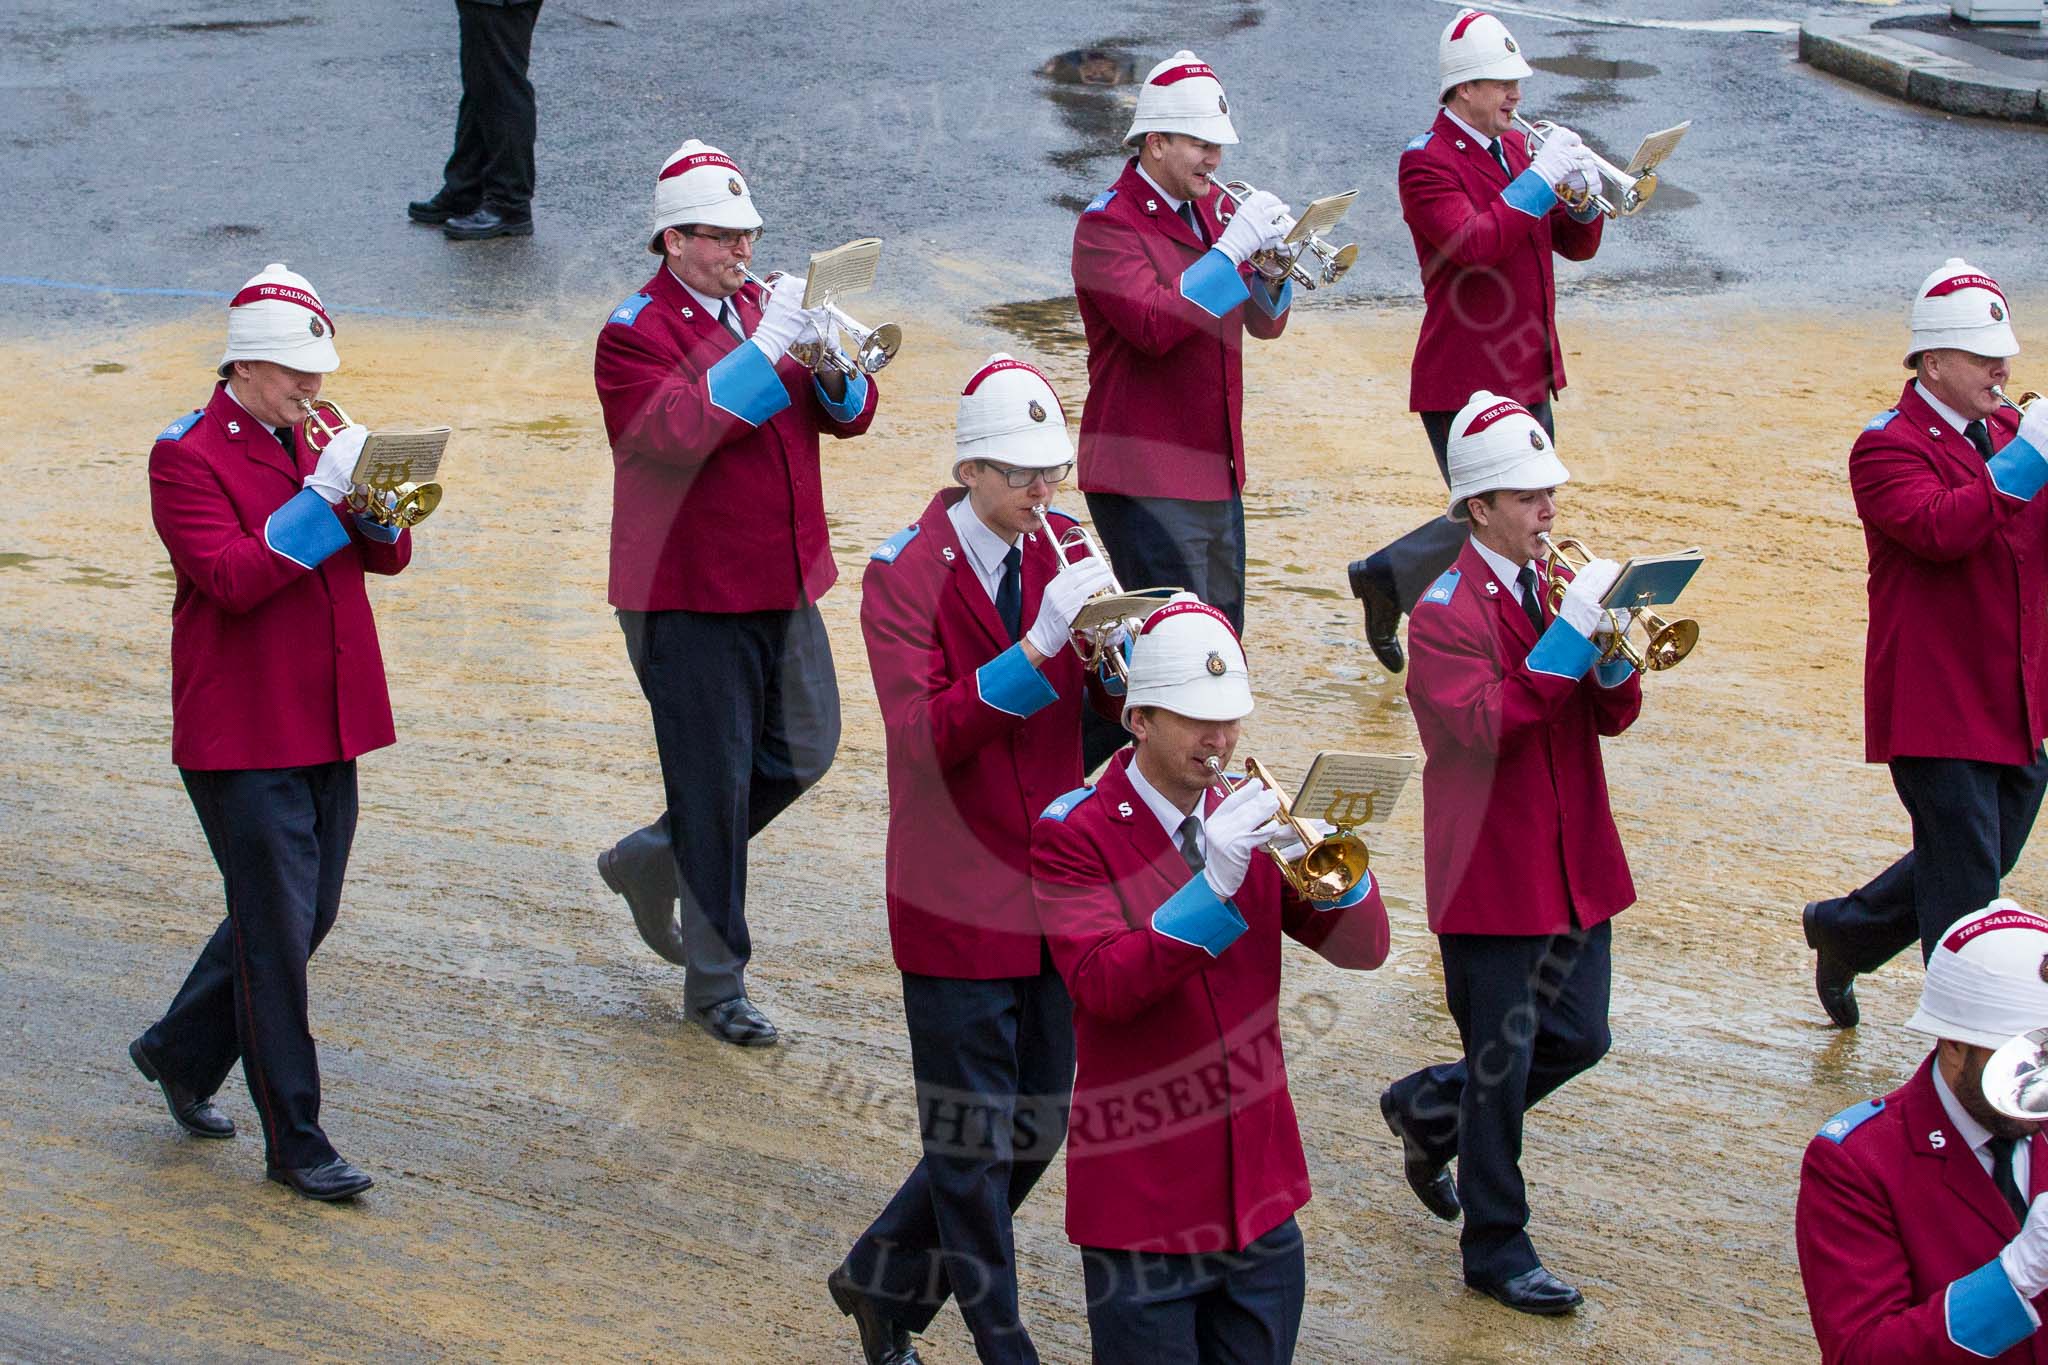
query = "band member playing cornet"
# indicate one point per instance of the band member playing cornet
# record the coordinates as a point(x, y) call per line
point(1955, 674)
point(1165, 915)
point(1487, 218)
point(1523, 862)
point(277, 685)
point(719, 555)
point(966, 615)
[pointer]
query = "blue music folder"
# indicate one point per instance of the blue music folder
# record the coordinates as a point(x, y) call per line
point(1652, 580)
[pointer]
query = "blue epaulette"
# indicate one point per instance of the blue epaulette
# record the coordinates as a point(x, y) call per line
point(629, 311)
point(893, 546)
point(176, 430)
point(1419, 143)
point(1839, 1127)
point(1441, 591)
point(1064, 806)
point(1881, 421)
point(1100, 202)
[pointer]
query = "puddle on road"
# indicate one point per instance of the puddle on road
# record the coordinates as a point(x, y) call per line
point(1587, 68)
point(14, 559)
point(107, 367)
point(1050, 325)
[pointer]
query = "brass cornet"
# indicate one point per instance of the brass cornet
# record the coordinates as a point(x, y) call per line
point(1325, 868)
point(873, 347)
point(1631, 192)
point(1668, 642)
point(1278, 263)
point(401, 505)
point(1095, 627)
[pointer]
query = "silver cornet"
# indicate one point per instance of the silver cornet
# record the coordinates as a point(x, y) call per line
point(1279, 263)
point(872, 347)
point(1096, 624)
point(1631, 189)
point(2019, 405)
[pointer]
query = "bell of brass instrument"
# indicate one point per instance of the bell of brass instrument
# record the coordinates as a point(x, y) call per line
point(1668, 641)
point(873, 347)
point(1630, 192)
point(1325, 868)
point(1278, 264)
point(406, 504)
point(2025, 401)
point(2015, 1079)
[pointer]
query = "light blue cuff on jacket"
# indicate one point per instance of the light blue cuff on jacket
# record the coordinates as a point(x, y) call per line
point(1985, 1315)
point(377, 530)
point(1614, 672)
point(1213, 285)
point(1562, 651)
point(745, 384)
point(1197, 916)
point(1269, 303)
point(1010, 684)
point(2019, 470)
point(1349, 898)
point(1527, 193)
point(305, 530)
point(847, 408)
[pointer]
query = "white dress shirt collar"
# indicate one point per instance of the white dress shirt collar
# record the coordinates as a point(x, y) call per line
point(1942, 410)
point(985, 549)
point(704, 301)
point(1484, 140)
point(1171, 202)
point(1977, 1135)
point(1164, 811)
point(1503, 568)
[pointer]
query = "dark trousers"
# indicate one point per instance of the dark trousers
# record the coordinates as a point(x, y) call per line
point(492, 163)
point(1212, 1308)
point(1970, 823)
point(281, 838)
point(1166, 542)
point(1404, 569)
point(746, 719)
point(994, 1062)
point(1532, 1014)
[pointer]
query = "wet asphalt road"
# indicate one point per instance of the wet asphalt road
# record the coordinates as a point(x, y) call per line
point(180, 146)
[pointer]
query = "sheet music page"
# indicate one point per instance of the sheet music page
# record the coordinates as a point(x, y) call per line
point(391, 458)
point(1655, 148)
point(1321, 215)
point(843, 270)
point(1353, 790)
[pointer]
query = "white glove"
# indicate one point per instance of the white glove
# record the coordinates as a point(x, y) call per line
point(1234, 833)
point(782, 318)
point(2025, 1257)
point(1255, 227)
point(1560, 157)
point(331, 477)
point(1581, 608)
point(2034, 426)
point(818, 327)
point(1585, 176)
point(1064, 597)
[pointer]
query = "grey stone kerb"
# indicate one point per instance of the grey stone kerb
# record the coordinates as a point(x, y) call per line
point(1949, 80)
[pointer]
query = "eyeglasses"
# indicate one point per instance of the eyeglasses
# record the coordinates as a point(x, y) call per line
point(1022, 478)
point(727, 239)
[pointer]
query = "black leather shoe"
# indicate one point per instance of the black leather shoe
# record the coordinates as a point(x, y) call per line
point(736, 1021)
point(1833, 982)
point(882, 1342)
point(486, 222)
point(654, 908)
point(1533, 1291)
point(335, 1180)
point(1431, 1181)
point(194, 1113)
point(436, 211)
point(1382, 618)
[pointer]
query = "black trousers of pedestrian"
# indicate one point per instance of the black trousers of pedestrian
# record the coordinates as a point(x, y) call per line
point(746, 719)
point(281, 838)
point(1166, 542)
point(1211, 1308)
point(1532, 1014)
point(994, 1062)
point(1405, 569)
point(492, 163)
point(1970, 824)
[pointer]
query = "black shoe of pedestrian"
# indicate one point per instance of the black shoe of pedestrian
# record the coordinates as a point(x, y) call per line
point(436, 211)
point(882, 1342)
point(1430, 1180)
point(1382, 618)
point(337, 1179)
point(654, 909)
point(1533, 1291)
point(194, 1113)
point(736, 1021)
point(486, 222)
point(1833, 981)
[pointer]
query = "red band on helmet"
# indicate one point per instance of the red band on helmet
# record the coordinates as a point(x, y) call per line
point(1183, 73)
point(1494, 414)
point(693, 161)
point(1957, 283)
point(284, 293)
point(997, 367)
point(1172, 609)
point(2004, 919)
point(1465, 22)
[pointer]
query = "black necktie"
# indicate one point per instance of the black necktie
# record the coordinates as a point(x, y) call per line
point(290, 444)
point(731, 321)
point(1500, 154)
point(1010, 594)
point(1193, 220)
point(1980, 437)
point(2001, 1175)
point(1526, 581)
point(1190, 843)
